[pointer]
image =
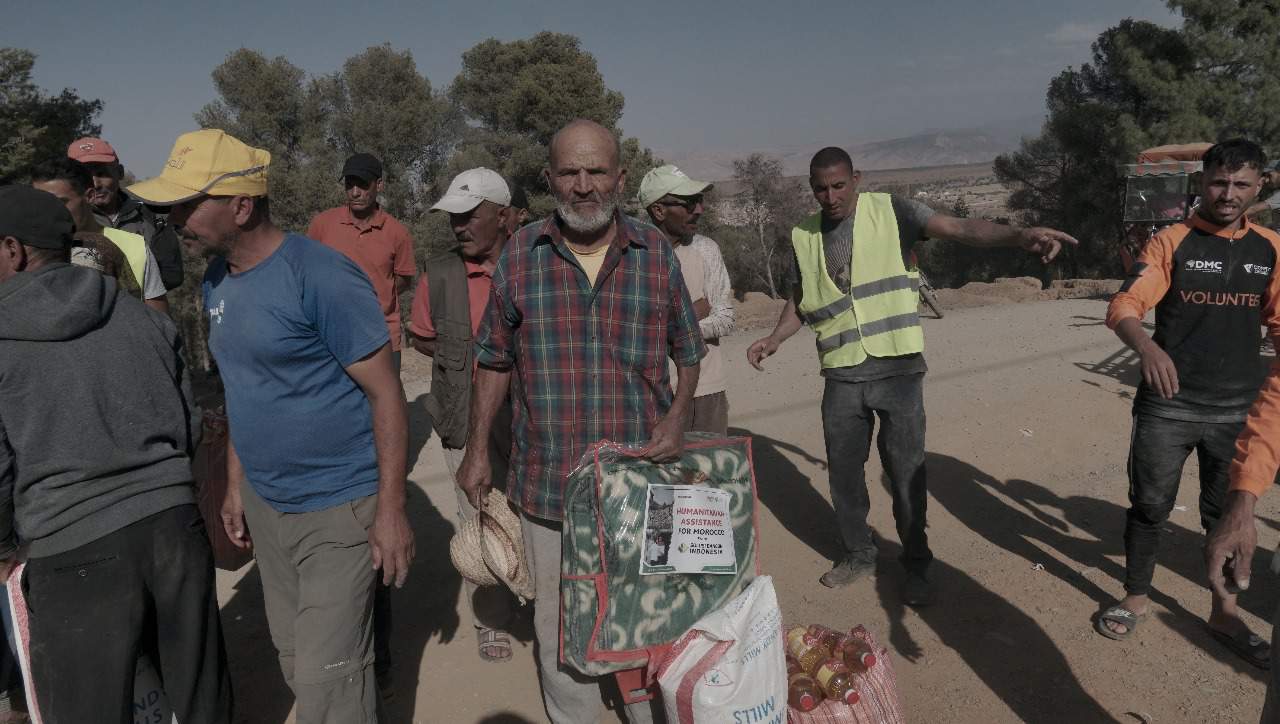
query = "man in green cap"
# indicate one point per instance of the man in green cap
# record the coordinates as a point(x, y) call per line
point(674, 203)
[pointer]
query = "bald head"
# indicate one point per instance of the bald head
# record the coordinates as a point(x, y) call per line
point(580, 137)
point(586, 177)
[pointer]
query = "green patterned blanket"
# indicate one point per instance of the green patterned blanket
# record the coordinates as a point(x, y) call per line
point(611, 617)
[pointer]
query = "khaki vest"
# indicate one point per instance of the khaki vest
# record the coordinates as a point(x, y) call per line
point(879, 316)
point(453, 367)
point(449, 402)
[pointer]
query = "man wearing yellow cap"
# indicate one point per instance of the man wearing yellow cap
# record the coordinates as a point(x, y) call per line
point(674, 204)
point(317, 420)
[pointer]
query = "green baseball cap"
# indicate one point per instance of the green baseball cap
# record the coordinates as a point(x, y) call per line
point(665, 180)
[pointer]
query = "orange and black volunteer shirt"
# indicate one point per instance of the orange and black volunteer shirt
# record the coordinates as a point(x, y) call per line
point(1213, 291)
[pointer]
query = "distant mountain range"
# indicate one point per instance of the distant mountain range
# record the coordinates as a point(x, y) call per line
point(930, 148)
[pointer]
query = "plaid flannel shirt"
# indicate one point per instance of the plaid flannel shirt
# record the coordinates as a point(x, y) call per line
point(590, 363)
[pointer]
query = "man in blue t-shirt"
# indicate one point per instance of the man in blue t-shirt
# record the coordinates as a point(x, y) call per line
point(317, 417)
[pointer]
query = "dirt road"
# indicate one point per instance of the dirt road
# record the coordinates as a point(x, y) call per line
point(1028, 429)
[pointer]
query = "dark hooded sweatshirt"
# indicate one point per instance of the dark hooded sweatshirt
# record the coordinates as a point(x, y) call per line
point(95, 429)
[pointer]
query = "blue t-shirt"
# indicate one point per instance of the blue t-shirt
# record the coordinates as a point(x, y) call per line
point(283, 334)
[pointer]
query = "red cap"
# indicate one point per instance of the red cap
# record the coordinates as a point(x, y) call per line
point(807, 702)
point(92, 150)
point(851, 697)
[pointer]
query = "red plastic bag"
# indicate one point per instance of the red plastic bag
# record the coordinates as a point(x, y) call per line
point(210, 470)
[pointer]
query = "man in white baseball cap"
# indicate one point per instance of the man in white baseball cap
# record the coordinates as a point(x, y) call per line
point(447, 307)
point(471, 188)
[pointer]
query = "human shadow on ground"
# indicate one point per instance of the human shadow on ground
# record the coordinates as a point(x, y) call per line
point(993, 637)
point(261, 695)
point(1044, 682)
point(425, 608)
point(1002, 645)
point(793, 498)
point(1037, 518)
point(420, 427)
point(1087, 321)
point(1122, 365)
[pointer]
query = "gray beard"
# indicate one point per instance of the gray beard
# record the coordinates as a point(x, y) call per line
point(588, 223)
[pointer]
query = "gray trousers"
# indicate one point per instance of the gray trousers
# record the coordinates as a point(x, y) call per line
point(317, 580)
point(570, 697)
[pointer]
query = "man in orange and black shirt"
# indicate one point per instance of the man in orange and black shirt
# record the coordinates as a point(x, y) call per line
point(1213, 282)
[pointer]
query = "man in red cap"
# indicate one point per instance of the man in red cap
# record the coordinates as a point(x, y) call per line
point(115, 209)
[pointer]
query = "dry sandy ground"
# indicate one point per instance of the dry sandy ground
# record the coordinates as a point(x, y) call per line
point(1028, 430)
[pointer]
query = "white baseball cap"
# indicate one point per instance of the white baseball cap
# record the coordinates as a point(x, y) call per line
point(471, 187)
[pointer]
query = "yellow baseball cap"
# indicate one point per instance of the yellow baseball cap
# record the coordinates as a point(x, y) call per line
point(665, 180)
point(207, 162)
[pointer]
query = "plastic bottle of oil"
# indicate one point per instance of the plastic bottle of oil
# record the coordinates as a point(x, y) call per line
point(803, 692)
point(837, 681)
point(826, 638)
point(805, 651)
point(856, 654)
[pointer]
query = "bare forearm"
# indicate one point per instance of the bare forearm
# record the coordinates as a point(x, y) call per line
point(985, 234)
point(788, 323)
point(487, 395)
point(1130, 331)
point(686, 385)
point(391, 442)
point(686, 381)
point(235, 471)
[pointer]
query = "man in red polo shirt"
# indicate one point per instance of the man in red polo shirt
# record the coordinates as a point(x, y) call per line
point(447, 308)
point(370, 237)
point(382, 247)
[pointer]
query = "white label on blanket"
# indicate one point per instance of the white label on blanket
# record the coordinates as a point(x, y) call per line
point(688, 529)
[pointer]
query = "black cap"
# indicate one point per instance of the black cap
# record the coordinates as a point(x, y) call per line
point(35, 218)
point(518, 198)
point(363, 166)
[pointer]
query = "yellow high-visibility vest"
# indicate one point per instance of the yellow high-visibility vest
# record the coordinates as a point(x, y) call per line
point(134, 248)
point(878, 317)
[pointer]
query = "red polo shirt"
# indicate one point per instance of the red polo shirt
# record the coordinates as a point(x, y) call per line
point(479, 282)
point(380, 245)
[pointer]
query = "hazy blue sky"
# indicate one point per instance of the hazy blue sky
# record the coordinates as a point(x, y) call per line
point(716, 75)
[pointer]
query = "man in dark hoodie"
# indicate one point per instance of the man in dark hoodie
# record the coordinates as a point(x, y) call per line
point(95, 481)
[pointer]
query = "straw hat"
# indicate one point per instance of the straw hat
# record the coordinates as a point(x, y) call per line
point(489, 549)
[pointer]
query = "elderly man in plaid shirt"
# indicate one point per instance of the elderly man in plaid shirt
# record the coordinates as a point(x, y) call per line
point(586, 308)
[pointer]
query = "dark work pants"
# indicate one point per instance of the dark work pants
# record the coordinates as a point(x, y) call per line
point(382, 603)
point(1158, 448)
point(147, 587)
point(849, 410)
point(1271, 709)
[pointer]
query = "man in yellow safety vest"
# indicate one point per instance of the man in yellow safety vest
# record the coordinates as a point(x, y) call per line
point(861, 300)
